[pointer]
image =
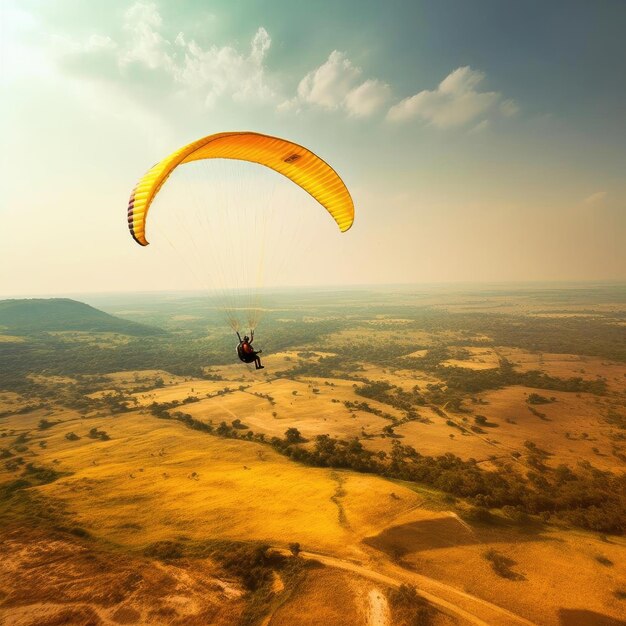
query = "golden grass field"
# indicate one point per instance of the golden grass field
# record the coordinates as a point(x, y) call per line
point(555, 570)
point(181, 482)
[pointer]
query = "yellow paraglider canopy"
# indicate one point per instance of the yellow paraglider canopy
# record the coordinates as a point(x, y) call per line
point(295, 162)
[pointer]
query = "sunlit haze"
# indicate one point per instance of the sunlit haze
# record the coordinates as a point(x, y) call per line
point(481, 142)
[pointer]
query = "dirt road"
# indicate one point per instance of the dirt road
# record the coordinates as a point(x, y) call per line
point(446, 598)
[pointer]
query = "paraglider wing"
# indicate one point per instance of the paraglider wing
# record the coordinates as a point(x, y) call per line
point(295, 162)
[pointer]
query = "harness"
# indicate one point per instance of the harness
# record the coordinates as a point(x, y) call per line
point(245, 352)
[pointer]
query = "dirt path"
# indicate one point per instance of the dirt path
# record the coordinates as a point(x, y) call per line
point(378, 609)
point(446, 598)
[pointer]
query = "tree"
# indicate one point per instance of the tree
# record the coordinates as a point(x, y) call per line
point(292, 435)
point(294, 548)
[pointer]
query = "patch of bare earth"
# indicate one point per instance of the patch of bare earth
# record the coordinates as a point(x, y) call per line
point(45, 581)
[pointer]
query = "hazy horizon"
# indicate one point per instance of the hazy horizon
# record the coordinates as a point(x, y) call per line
point(449, 287)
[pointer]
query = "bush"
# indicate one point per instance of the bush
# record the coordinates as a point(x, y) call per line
point(409, 607)
point(603, 560)
point(501, 565)
point(94, 433)
point(535, 398)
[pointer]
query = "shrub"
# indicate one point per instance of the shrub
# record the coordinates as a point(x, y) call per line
point(501, 565)
point(94, 433)
point(409, 607)
point(535, 398)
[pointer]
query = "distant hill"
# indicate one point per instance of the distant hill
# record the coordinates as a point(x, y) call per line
point(63, 314)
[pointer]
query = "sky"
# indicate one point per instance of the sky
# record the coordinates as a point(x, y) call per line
point(481, 142)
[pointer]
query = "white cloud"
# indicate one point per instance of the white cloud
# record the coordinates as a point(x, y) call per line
point(207, 72)
point(224, 71)
point(337, 85)
point(595, 198)
point(367, 98)
point(147, 46)
point(260, 45)
point(330, 83)
point(455, 102)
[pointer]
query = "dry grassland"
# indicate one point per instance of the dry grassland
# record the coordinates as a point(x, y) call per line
point(325, 596)
point(170, 481)
point(549, 572)
point(568, 366)
point(480, 359)
point(434, 438)
point(404, 378)
point(580, 415)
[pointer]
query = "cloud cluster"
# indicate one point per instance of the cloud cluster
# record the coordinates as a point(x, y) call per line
point(224, 71)
point(142, 50)
point(211, 72)
point(456, 102)
point(337, 84)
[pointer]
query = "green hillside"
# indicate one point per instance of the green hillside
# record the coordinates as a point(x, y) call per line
point(62, 314)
